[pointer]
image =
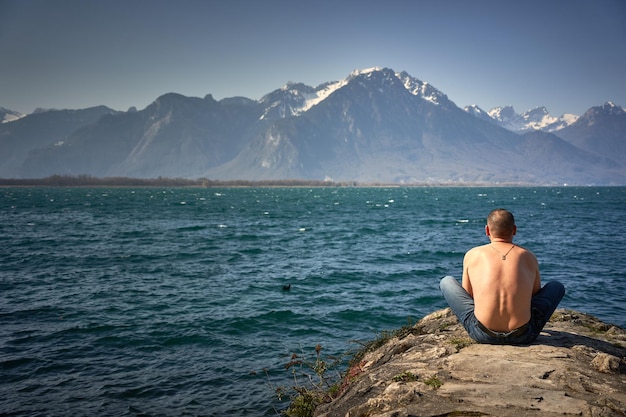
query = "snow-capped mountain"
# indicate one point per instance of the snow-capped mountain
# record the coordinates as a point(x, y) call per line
point(375, 125)
point(294, 99)
point(384, 126)
point(534, 119)
point(478, 112)
point(7, 115)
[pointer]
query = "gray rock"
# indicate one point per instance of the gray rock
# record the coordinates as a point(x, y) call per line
point(576, 367)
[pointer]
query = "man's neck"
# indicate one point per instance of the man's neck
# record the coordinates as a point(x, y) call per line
point(501, 240)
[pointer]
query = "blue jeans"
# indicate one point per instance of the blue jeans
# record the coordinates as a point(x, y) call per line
point(543, 305)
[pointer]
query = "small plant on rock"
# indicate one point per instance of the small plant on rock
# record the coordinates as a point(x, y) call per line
point(384, 337)
point(460, 343)
point(406, 376)
point(312, 383)
point(434, 382)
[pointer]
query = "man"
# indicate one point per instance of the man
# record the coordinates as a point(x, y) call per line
point(501, 300)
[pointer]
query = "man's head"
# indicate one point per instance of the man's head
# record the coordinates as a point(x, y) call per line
point(501, 224)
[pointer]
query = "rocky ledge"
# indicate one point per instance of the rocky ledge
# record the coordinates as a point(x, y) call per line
point(576, 367)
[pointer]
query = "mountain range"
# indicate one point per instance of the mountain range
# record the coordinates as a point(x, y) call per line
point(374, 126)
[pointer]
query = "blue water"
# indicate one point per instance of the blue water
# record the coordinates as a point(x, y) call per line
point(147, 301)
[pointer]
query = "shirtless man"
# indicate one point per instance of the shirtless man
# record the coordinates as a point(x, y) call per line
point(500, 300)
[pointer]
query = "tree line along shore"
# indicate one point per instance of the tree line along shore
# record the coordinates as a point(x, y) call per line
point(89, 181)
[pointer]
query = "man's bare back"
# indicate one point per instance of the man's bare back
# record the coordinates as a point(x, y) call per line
point(502, 288)
point(500, 299)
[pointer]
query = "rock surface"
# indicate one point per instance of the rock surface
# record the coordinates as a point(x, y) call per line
point(576, 367)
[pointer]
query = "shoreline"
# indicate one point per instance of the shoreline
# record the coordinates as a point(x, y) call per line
point(89, 181)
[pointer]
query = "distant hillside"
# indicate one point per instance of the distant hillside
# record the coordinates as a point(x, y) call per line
point(42, 130)
point(601, 130)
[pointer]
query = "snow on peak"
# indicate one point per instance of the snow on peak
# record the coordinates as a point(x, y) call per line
point(7, 115)
point(421, 89)
point(357, 72)
point(322, 93)
point(295, 98)
point(534, 119)
point(502, 114)
point(325, 90)
point(607, 109)
point(613, 108)
point(475, 110)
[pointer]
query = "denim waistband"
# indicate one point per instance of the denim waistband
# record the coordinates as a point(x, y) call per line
point(520, 331)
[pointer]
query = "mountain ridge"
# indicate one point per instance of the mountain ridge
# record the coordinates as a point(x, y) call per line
point(7, 115)
point(537, 118)
point(376, 125)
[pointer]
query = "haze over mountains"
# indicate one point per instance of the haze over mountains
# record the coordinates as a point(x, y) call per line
point(376, 125)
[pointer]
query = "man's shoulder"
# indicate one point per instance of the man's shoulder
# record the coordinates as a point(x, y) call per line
point(479, 248)
point(525, 250)
point(475, 250)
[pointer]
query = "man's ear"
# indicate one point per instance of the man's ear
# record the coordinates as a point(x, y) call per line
point(514, 230)
point(487, 231)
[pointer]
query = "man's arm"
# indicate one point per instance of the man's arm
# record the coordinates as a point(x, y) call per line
point(537, 282)
point(465, 282)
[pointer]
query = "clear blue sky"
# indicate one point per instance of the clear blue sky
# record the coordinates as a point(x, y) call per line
point(568, 55)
